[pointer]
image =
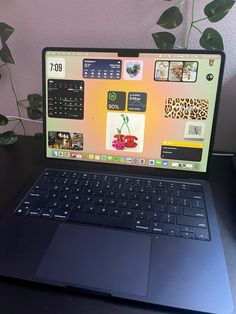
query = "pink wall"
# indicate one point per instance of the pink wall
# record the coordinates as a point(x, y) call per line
point(90, 23)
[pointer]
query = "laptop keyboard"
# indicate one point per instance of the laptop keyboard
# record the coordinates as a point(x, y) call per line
point(163, 207)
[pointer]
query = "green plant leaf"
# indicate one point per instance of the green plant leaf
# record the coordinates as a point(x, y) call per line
point(35, 100)
point(5, 54)
point(218, 9)
point(211, 40)
point(3, 120)
point(8, 138)
point(5, 31)
point(170, 18)
point(34, 113)
point(164, 40)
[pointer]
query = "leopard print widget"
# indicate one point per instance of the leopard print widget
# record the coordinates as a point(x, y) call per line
point(186, 108)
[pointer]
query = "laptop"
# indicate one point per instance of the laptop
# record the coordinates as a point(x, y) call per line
point(123, 208)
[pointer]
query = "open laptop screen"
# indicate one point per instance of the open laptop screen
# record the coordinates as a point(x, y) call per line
point(153, 110)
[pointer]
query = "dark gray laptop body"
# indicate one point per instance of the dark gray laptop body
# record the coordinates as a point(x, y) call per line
point(148, 267)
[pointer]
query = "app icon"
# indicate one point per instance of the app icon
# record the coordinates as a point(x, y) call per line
point(209, 77)
point(91, 156)
point(103, 157)
point(116, 158)
point(109, 158)
point(151, 162)
point(158, 162)
point(211, 62)
point(164, 163)
point(142, 161)
point(129, 160)
point(122, 159)
point(78, 156)
point(54, 153)
point(97, 157)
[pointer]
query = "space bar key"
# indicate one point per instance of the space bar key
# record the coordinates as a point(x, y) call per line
point(101, 220)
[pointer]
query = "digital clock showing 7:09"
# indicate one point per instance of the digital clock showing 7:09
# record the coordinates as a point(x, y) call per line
point(56, 67)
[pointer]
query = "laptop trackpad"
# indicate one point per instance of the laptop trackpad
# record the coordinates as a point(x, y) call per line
point(97, 258)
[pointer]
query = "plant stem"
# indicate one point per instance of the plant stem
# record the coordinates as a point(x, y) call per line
point(180, 4)
point(15, 125)
point(14, 92)
point(196, 21)
point(197, 29)
point(191, 25)
point(23, 100)
point(127, 127)
point(2, 65)
point(24, 119)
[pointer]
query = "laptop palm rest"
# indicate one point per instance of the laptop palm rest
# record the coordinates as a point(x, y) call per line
point(96, 258)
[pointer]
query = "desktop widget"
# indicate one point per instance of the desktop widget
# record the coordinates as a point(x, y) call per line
point(65, 140)
point(186, 108)
point(66, 99)
point(105, 69)
point(176, 71)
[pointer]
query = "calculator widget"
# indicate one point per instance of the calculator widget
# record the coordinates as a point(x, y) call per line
point(66, 99)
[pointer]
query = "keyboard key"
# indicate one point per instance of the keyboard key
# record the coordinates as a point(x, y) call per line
point(198, 204)
point(118, 222)
point(158, 228)
point(154, 216)
point(89, 209)
point(186, 228)
point(192, 221)
point(99, 200)
point(196, 188)
point(146, 198)
point(202, 234)
point(128, 213)
point(135, 205)
point(173, 231)
point(141, 225)
point(35, 212)
point(115, 212)
point(47, 212)
point(167, 218)
point(185, 202)
point(102, 210)
point(194, 212)
point(188, 235)
point(175, 210)
point(60, 214)
point(78, 207)
point(183, 186)
point(159, 199)
point(141, 214)
point(123, 204)
point(22, 210)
